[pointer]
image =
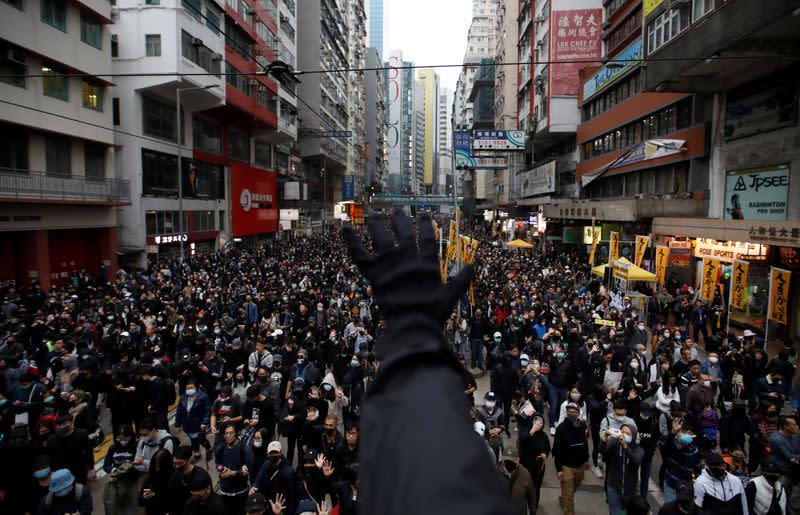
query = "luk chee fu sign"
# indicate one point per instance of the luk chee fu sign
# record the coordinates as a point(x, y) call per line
point(575, 45)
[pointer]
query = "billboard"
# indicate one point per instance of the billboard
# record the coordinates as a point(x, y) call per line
point(757, 193)
point(623, 62)
point(254, 200)
point(575, 40)
point(753, 109)
point(394, 107)
point(462, 147)
point(650, 149)
point(348, 187)
point(498, 140)
point(539, 180)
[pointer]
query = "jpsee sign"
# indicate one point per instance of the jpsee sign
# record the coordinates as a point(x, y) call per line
point(757, 193)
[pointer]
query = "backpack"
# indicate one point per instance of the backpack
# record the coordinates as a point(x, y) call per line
point(172, 396)
point(709, 424)
point(48, 499)
point(170, 438)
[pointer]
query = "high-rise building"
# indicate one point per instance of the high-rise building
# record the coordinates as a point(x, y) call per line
point(480, 45)
point(219, 120)
point(418, 142)
point(357, 31)
point(401, 123)
point(430, 83)
point(505, 95)
point(375, 121)
point(374, 10)
point(444, 182)
point(57, 173)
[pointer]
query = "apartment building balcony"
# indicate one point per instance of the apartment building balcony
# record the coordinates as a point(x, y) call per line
point(44, 188)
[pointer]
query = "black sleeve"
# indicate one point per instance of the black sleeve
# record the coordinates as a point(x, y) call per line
point(389, 438)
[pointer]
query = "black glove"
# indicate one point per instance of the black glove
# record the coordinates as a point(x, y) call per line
point(407, 284)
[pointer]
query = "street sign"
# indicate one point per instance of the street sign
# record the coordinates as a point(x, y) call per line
point(336, 134)
point(412, 200)
point(498, 140)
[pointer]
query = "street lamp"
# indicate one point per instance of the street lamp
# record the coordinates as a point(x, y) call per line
point(178, 119)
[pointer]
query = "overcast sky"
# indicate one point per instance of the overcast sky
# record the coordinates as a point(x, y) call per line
point(428, 32)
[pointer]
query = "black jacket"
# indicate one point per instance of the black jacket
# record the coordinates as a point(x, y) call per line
point(571, 445)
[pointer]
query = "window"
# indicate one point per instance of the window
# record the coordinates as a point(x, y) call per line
point(114, 45)
point(152, 2)
point(193, 49)
point(14, 3)
point(666, 27)
point(92, 96)
point(94, 156)
point(152, 43)
point(235, 78)
point(13, 72)
point(701, 7)
point(237, 39)
point(193, 7)
point(239, 145)
point(158, 118)
point(159, 174)
point(221, 219)
point(54, 13)
point(58, 158)
point(91, 31)
point(262, 151)
point(55, 84)
point(115, 110)
point(212, 21)
point(206, 135)
point(13, 149)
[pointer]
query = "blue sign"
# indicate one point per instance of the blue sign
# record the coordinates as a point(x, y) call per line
point(336, 134)
point(462, 144)
point(623, 62)
point(348, 187)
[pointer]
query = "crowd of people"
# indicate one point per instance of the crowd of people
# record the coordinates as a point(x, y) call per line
point(234, 382)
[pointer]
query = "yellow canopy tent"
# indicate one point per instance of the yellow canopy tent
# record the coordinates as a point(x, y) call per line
point(519, 244)
point(635, 273)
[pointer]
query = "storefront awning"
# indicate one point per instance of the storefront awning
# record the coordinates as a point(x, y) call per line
point(768, 232)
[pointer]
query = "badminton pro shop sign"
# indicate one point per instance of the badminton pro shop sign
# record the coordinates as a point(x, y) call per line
point(757, 193)
point(254, 201)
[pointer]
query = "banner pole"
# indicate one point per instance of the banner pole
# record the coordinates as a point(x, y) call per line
point(730, 297)
point(769, 310)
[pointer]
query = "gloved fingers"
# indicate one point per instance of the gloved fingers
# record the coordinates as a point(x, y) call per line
point(456, 287)
point(427, 238)
point(360, 256)
point(401, 226)
point(381, 239)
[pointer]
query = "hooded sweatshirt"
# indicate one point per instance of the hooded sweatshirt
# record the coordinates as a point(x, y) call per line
point(616, 421)
point(147, 447)
point(622, 464)
point(712, 495)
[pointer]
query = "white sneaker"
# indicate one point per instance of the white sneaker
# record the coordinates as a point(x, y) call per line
point(552, 431)
point(597, 471)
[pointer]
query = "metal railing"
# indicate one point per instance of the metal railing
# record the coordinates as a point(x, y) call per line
point(40, 185)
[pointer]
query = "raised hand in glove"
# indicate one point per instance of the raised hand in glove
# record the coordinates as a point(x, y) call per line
point(406, 283)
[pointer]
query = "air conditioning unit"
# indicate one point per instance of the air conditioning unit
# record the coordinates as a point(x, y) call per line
point(197, 42)
point(217, 57)
point(253, 82)
point(539, 81)
point(15, 56)
point(251, 12)
point(540, 19)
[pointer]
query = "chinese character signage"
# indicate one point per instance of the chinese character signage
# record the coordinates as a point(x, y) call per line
point(498, 140)
point(595, 240)
point(348, 187)
point(709, 284)
point(575, 39)
point(256, 211)
point(757, 193)
point(662, 255)
point(641, 246)
point(739, 284)
point(779, 295)
point(614, 247)
point(462, 144)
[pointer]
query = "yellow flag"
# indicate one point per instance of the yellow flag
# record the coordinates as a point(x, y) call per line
point(739, 284)
point(613, 248)
point(641, 246)
point(662, 255)
point(709, 284)
point(595, 240)
point(443, 269)
point(471, 293)
point(779, 295)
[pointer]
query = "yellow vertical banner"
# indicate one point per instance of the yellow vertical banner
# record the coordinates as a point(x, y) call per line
point(613, 247)
point(709, 283)
point(595, 240)
point(779, 295)
point(443, 268)
point(641, 246)
point(471, 293)
point(662, 256)
point(739, 284)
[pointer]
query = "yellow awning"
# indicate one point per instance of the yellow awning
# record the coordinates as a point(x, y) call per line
point(635, 273)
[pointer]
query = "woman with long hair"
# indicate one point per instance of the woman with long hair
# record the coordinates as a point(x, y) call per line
point(154, 496)
point(667, 393)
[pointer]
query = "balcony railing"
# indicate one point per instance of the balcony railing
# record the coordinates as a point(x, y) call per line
point(46, 186)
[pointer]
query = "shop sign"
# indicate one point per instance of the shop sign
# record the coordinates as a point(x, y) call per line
point(789, 257)
point(575, 37)
point(539, 180)
point(152, 249)
point(256, 191)
point(757, 193)
point(650, 149)
point(776, 234)
point(491, 163)
point(729, 250)
point(290, 214)
point(498, 140)
point(172, 238)
point(533, 220)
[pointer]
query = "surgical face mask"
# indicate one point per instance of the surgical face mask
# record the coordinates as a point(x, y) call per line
point(606, 345)
point(641, 327)
point(575, 396)
point(490, 405)
point(63, 430)
point(124, 441)
point(713, 360)
point(3, 402)
point(560, 355)
point(258, 444)
point(524, 362)
point(677, 336)
point(685, 439)
point(706, 383)
point(41, 473)
point(634, 364)
point(354, 363)
point(536, 367)
point(627, 437)
point(300, 361)
point(666, 334)
point(498, 340)
point(217, 331)
point(191, 392)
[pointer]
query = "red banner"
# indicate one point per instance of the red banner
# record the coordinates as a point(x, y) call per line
point(254, 200)
point(575, 39)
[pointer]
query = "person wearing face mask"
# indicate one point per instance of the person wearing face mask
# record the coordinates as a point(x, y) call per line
point(70, 448)
point(41, 482)
point(784, 447)
point(571, 455)
point(561, 377)
point(203, 500)
point(617, 418)
point(184, 475)
point(259, 357)
point(534, 448)
point(276, 477)
point(622, 456)
point(518, 482)
point(700, 395)
point(119, 495)
point(535, 384)
point(491, 414)
point(574, 397)
point(193, 416)
point(681, 459)
point(765, 493)
point(683, 503)
point(770, 386)
point(716, 491)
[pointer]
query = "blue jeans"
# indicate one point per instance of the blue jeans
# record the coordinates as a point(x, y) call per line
point(616, 501)
point(644, 477)
point(460, 349)
point(477, 353)
point(669, 493)
point(556, 396)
